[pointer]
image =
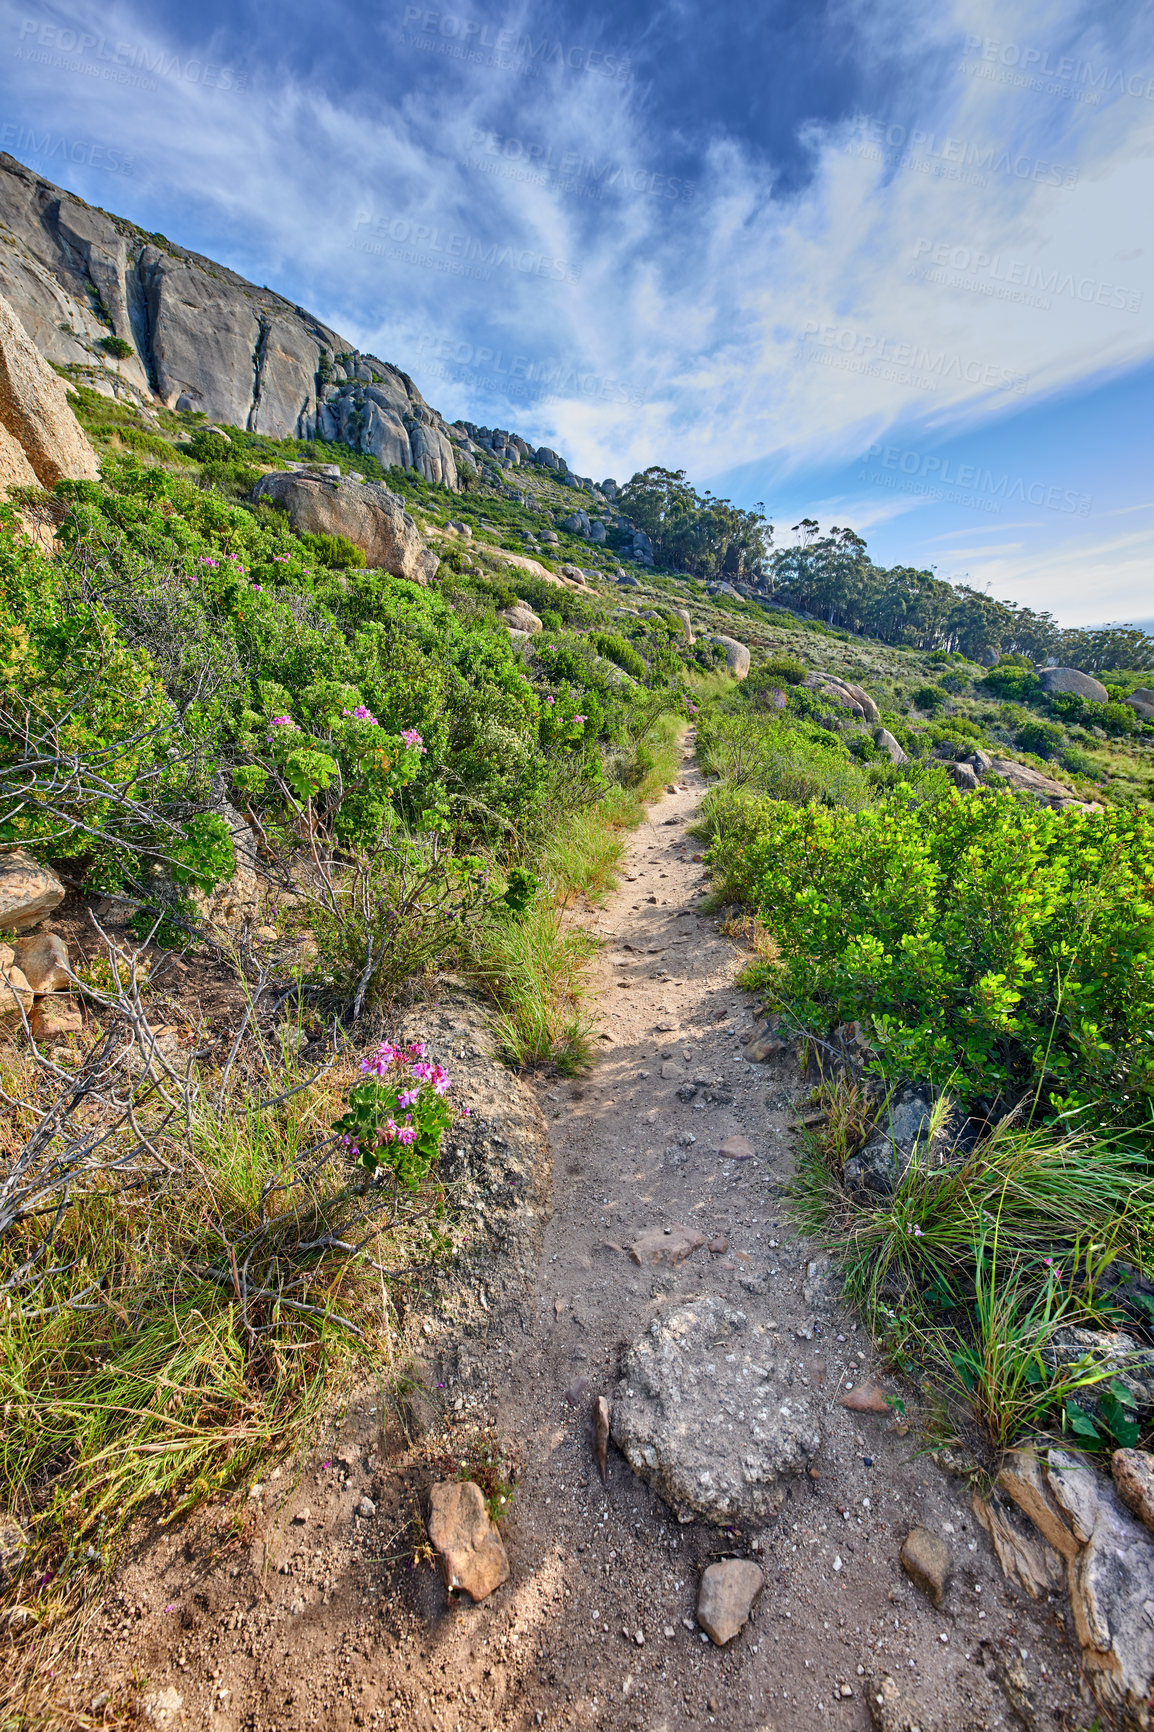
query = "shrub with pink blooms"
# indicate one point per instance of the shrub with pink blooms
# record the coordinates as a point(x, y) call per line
point(398, 1115)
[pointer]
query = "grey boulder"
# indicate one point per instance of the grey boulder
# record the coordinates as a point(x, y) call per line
point(736, 656)
point(1074, 680)
point(707, 1413)
point(371, 517)
point(885, 742)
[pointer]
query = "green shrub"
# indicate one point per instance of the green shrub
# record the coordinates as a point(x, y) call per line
point(929, 698)
point(1043, 738)
point(1012, 681)
point(334, 552)
point(993, 947)
point(115, 346)
point(209, 447)
point(614, 648)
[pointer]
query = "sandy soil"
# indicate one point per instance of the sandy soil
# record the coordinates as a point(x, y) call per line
point(301, 1612)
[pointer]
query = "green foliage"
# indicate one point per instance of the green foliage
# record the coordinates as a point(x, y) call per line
point(929, 698)
point(1043, 738)
point(398, 1115)
point(335, 552)
point(615, 648)
point(1011, 681)
point(206, 857)
point(991, 945)
point(210, 447)
point(115, 346)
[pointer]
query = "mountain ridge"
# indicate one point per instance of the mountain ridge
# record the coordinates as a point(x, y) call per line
point(136, 315)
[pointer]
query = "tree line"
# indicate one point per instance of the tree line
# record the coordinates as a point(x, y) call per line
point(832, 577)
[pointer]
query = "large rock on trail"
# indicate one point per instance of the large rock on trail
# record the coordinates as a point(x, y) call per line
point(468, 1545)
point(371, 517)
point(707, 1412)
point(1073, 680)
point(35, 413)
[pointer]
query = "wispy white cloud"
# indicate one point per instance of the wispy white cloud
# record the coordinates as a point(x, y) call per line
point(755, 323)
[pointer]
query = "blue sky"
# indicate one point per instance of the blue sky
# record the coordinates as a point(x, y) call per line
point(889, 267)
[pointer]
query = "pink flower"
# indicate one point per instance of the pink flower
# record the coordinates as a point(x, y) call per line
point(465, 1111)
point(417, 1050)
point(385, 1055)
point(258, 587)
point(424, 1072)
point(406, 1134)
point(412, 738)
point(409, 1097)
point(580, 718)
point(205, 560)
point(282, 722)
point(439, 1080)
point(361, 714)
point(550, 700)
point(281, 558)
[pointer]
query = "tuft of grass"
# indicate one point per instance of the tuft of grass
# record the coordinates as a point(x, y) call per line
point(532, 969)
point(978, 1258)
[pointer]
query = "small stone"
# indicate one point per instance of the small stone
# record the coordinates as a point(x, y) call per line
point(891, 1711)
point(727, 1593)
point(43, 959)
point(765, 1047)
point(13, 1545)
point(719, 1246)
point(1133, 1471)
point(366, 1508)
point(296, 1608)
point(845, 1690)
point(164, 1707)
point(601, 1436)
point(866, 1398)
point(736, 1148)
point(469, 1546)
point(16, 996)
point(669, 1632)
point(671, 1070)
point(54, 1016)
point(670, 1245)
point(302, 1516)
point(577, 1391)
point(926, 1560)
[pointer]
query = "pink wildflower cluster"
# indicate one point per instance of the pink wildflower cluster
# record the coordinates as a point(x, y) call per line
point(387, 1054)
point(580, 718)
point(283, 722)
point(205, 560)
point(283, 558)
point(412, 738)
point(361, 714)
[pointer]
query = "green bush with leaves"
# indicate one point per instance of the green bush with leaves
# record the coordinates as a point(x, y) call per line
point(993, 947)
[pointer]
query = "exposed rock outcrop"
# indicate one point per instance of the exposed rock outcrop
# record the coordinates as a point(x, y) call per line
point(43, 441)
point(371, 517)
point(199, 336)
point(850, 697)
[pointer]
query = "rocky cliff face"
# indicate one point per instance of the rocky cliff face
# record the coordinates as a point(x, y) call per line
point(194, 335)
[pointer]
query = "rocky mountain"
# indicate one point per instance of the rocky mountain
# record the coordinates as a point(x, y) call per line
point(135, 315)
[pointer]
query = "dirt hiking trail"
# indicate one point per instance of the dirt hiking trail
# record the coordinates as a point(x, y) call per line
point(327, 1621)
